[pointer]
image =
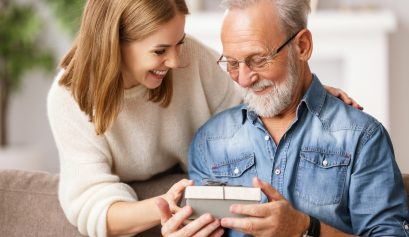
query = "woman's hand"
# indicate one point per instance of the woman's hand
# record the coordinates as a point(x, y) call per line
point(175, 194)
point(342, 95)
point(177, 225)
point(124, 217)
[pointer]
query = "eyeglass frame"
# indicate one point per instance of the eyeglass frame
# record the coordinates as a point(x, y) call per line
point(267, 58)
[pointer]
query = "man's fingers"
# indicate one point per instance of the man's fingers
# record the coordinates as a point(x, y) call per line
point(252, 210)
point(270, 192)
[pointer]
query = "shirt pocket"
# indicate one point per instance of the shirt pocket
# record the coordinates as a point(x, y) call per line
point(321, 176)
point(236, 171)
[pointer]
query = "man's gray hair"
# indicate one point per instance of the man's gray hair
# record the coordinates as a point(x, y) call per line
point(293, 14)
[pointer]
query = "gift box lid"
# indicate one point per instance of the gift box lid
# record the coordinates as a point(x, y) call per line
point(223, 193)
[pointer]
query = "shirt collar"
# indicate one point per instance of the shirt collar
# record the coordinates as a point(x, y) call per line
point(248, 114)
point(314, 99)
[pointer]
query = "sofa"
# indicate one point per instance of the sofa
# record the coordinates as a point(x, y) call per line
point(29, 204)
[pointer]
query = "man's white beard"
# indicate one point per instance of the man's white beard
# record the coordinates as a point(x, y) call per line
point(278, 99)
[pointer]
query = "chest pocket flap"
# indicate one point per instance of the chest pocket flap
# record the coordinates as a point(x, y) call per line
point(234, 168)
point(325, 160)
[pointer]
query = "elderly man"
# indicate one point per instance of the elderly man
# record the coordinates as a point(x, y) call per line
point(326, 169)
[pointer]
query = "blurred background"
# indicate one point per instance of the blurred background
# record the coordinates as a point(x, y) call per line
point(359, 46)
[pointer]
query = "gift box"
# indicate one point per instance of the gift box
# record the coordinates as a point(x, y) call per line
point(217, 200)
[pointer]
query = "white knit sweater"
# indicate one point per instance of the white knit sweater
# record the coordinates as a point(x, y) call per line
point(146, 139)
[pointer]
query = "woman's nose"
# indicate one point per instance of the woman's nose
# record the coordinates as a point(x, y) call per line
point(173, 59)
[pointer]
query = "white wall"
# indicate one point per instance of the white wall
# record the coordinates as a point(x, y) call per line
point(399, 71)
point(29, 123)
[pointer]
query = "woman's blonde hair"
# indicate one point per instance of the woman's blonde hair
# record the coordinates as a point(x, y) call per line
point(92, 66)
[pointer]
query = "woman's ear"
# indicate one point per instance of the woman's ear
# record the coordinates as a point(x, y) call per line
point(304, 44)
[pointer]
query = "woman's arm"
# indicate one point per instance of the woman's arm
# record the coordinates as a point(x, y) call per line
point(135, 217)
point(131, 217)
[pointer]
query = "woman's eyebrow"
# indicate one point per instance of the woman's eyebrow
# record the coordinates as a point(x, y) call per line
point(168, 45)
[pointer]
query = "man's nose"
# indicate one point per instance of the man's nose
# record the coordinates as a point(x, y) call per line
point(246, 76)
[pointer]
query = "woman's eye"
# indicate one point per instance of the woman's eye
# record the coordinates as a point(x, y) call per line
point(160, 52)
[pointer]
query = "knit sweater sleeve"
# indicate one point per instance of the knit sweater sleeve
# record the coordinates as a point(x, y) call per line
point(87, 186)
point(220, 90)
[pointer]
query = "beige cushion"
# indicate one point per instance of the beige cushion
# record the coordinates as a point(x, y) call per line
point(29, 205)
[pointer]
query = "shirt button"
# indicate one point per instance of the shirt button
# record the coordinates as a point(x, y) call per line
point(236, 170)
point(325, 163)
point(266, 138)
point(406, 227)
point(277, 172)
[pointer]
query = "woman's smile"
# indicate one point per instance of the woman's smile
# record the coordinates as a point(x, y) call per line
point(158, 74)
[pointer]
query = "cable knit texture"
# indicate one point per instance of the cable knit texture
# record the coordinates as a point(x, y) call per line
point(146, 139)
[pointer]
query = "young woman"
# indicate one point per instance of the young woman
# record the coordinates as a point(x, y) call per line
point(131, 93)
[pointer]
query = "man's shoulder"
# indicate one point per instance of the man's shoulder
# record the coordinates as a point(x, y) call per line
point(335, 114)
point(224, 120)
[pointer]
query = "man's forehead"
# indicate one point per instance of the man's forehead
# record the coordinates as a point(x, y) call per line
point(241, 44)
point(243, 40)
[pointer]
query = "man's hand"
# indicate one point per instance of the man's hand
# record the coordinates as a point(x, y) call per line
point(275, 218)
point(177, 225)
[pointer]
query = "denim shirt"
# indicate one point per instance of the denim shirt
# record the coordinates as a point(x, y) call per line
point(334, 162)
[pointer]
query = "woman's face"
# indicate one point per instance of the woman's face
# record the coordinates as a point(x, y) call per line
point(146, 61)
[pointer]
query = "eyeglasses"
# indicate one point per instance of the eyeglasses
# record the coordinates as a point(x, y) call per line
point(255, 63)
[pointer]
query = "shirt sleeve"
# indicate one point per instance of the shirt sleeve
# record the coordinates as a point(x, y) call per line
point(87, 186)
point(378, 202)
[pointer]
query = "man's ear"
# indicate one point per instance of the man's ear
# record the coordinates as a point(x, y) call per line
point(304, 44)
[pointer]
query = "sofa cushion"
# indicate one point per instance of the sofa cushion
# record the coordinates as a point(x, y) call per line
point(29, 205)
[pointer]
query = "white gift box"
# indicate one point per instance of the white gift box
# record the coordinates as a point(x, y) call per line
point(217, 200)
